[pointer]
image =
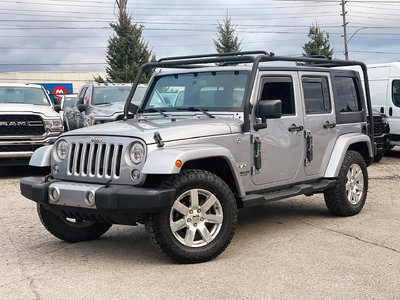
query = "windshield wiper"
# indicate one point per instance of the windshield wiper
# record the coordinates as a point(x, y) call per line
point(203, 110)
point(153, 110)
point(102, 103)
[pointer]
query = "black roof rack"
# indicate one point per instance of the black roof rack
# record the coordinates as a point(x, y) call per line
point(253, 57)
point(214, 55)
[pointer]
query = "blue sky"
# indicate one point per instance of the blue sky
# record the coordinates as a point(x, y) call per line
point(71, 35)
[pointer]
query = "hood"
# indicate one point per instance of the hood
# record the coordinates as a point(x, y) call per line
point(15, 108)
point(108, 110)
point(185, 128)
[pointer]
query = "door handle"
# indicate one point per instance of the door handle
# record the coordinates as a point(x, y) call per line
point(329, 125)
point(390, 111)
point(293, 128)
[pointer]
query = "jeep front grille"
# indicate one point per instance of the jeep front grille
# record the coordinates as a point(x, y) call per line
point(95, 160)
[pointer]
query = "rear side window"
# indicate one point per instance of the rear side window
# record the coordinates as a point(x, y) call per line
point(396, 92)
point(316, 95)
point(279, 88)
point(348, 97)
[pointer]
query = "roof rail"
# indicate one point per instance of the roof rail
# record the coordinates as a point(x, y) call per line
point(320, 56)
point(215, 55)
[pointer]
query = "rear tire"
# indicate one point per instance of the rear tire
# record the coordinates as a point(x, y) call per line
point(347, 196)
point(70, 231)
point(201, 221)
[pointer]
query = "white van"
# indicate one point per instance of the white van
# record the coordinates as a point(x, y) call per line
point(384, 82)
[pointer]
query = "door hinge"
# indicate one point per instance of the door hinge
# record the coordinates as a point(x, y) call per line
point(309, 147)
point(257, 153)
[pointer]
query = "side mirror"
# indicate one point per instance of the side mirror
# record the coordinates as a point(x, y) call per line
point(82, 107)
point(57, 100)
point(267, 109)
point(57, 107)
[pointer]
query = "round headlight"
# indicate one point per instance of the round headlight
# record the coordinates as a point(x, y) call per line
point(61, 149)
point(136, 153)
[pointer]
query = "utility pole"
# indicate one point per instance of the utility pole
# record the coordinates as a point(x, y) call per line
point(343, 14)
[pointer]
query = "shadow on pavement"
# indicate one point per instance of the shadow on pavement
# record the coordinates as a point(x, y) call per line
point(392, 153)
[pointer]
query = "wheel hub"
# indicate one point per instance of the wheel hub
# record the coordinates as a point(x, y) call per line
point(196, 218)
point(354, 184)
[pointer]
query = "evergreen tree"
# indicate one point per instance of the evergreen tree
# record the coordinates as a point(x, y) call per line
point(98, 79)
point(318, 44)
point(227, 40)
point(126, 52)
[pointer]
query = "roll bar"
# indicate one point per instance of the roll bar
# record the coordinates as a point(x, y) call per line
point(255, 58)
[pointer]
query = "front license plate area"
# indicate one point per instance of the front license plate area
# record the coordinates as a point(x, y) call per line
point(73, 194)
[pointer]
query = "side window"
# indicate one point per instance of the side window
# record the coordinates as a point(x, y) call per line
point(316, 95)
point(80, 96)
point(86, 96)
point(279, 88)
point(348, 97)
point(396, 92)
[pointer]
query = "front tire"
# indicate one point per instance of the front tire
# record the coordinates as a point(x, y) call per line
point(200, 222)
point(347, 196)
point(69, 230)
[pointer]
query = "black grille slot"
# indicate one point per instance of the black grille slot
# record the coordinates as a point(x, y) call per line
point(118, 164)
point(86, 159)
point(101, 167)
point(71, 158)
point(78, 158)
point(11, 125)
point(119, 118)
point(109, 162)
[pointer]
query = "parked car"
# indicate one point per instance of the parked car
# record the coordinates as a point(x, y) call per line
point(28, 121)
point(238, 136)
point(67, 103)
point(381, 134)
point(101, 103)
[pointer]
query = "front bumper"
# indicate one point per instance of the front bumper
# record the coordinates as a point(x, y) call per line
point(382, 142)
point(116, 204)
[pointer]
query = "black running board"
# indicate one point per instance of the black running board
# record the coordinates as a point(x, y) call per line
point(256, 199)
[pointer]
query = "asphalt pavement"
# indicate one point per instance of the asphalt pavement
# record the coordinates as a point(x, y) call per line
point(290, 249)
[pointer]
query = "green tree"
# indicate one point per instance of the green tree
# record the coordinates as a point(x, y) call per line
point(318, 44)
point(126, 51)
point(227, 40)
point(98, 79)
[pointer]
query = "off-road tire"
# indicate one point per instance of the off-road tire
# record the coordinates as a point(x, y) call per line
point(68, 231)
point(158, 225)
point(335, 197)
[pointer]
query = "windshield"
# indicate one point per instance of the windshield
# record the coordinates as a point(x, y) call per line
point(113, 94)
point(220, 91)
point(69, 101)
point(26, 95)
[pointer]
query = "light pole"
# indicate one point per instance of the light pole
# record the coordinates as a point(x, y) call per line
point(348, 41)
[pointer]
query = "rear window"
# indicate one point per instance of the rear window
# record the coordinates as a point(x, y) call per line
point(348, 97)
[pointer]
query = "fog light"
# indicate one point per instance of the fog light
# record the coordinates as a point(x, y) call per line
point(135, 174)
point(56, 168)
point(54, 194)
point(89, 198)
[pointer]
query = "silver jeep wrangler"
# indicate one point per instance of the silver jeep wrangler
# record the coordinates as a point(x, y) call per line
point(228, 137)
